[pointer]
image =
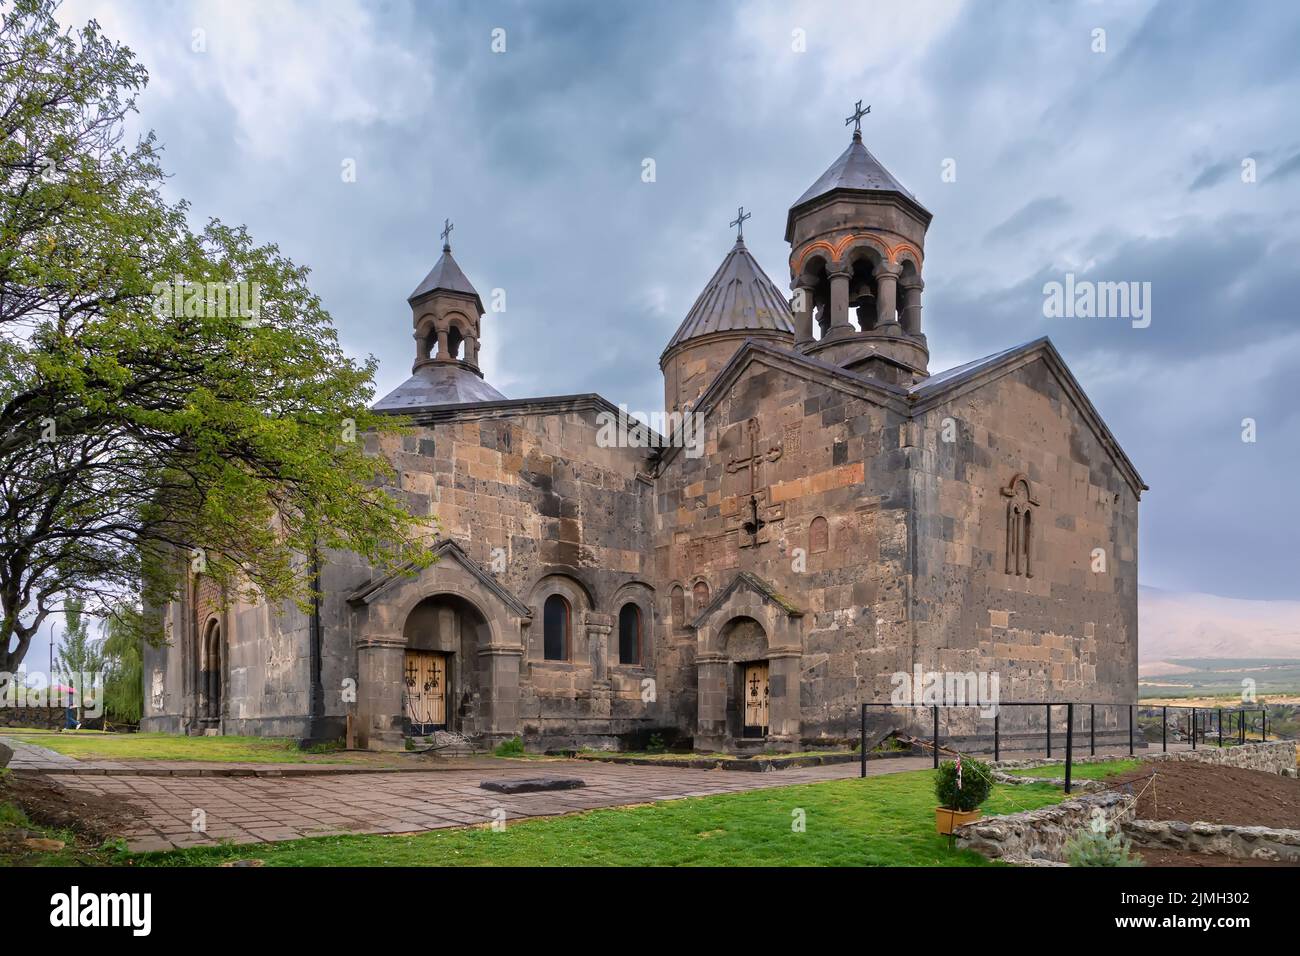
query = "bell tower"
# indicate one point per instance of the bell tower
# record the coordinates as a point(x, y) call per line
point(446, 313)
point(857, 251)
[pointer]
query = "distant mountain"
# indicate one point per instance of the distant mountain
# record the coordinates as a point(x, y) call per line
point(1174, 625)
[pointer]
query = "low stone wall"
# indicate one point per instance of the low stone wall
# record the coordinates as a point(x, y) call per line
point(1041, 834)
point(1272, 757)
point(42, 718)
point(1086, 786)
point(1243, 843)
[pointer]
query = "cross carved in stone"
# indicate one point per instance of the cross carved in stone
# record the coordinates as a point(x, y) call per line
point(754, 461)
point(755, 458)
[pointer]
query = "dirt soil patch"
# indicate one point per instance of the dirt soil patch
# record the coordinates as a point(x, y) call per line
point(50, 804)
point(1178, 790)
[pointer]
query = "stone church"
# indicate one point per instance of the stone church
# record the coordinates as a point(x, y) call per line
point(845, 516)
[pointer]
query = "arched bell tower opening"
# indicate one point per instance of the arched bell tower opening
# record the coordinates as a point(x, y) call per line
point(857, 240)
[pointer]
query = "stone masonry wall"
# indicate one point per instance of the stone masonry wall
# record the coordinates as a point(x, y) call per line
point(534, 499)
point(1067, 631)
point(839, 461)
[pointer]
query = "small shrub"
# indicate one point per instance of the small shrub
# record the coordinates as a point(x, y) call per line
point(656, 744)
point(1090, 848)
point(976, 783)
point(514, 747)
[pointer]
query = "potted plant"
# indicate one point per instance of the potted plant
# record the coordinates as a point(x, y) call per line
point(961, 786)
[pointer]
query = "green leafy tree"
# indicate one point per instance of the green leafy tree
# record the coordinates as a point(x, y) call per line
point(140, 442)
point(80, 662)
point(125, 631)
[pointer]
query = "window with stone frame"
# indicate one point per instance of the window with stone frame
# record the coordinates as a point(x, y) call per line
point(629, 634)
point(556, 626)
point(701, 592)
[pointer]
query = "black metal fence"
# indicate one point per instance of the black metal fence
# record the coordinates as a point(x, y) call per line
point(1199, 724)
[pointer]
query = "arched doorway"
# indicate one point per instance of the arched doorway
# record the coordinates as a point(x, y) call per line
point(744, 642)
point(440, 667)
point(210, 673)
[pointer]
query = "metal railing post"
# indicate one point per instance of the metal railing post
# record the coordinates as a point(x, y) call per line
point(997, 735)
point(863, 745)
point(1069, 743)
point(1263, 726)
point(1164, 729)
point(1049, 730)
point(1131, 708)
point(936, 737)
point(1220, 728)
point(1092, 730)
point(1193, 728)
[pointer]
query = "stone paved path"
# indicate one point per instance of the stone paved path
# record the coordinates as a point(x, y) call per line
point(251, 809)
point(32, 757)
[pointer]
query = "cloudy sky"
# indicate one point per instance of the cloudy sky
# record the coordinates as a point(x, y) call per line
point(1121, 164)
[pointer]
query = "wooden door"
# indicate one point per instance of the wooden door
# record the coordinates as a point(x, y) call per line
point(425, 676)
point(754, 689)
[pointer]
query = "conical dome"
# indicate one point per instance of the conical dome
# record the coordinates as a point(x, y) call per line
point(445, 276)
point(856, 170)
point(740, 297)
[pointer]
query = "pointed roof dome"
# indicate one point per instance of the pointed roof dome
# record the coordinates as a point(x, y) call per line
point(740, 297)
point(856, 170)
point(446, 276)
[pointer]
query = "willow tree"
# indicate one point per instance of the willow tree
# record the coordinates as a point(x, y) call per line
point(149, 421)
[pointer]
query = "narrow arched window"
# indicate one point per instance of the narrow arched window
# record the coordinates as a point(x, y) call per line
point(555, 628)
point(701, 597)
point(818, 535)
point(629, 634)
point(678, 607)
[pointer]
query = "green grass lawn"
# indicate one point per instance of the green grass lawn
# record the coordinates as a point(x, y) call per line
point(880, 821)
point(94, 744)
point(1080, 771)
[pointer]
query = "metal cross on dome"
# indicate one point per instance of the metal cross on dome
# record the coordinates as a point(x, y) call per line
point(739, 222)
point(856, 118)
point(447, 227)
